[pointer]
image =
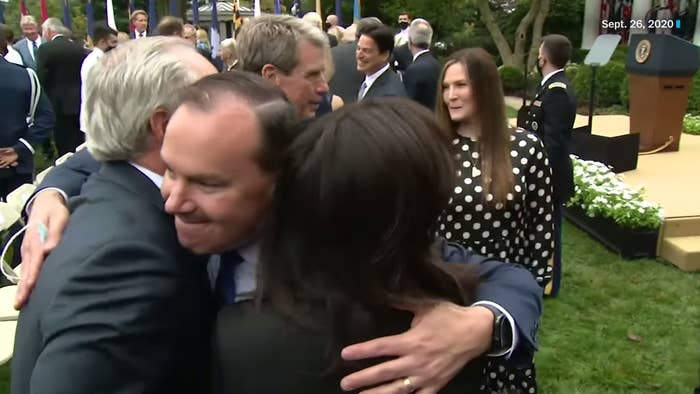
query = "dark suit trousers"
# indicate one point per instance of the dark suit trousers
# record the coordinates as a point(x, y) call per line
point(67, 133)
point(10, 183)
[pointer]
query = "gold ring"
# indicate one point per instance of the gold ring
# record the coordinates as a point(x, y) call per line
point(408, 385)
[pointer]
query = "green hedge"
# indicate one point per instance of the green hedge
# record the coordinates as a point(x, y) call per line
point(608, 84)
point(512, 78)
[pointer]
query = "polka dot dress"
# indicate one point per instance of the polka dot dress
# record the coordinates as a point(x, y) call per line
point(519, 230)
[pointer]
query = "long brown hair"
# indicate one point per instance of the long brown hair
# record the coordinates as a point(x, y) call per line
point(494, 131)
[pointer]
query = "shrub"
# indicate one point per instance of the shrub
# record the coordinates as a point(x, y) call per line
point(625, 92)
point(691, 124)
point(608, 79)
point(512, 78)
point(694, 97)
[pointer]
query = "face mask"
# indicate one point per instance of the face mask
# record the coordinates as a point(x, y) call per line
point(403, 25)
point(539, 66)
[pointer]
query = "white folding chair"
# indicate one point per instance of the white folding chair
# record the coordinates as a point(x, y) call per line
point(40, 176)
point(8, 322)
point(7, 340)
point(18, 197)
point(63, 158)
point(8, 216)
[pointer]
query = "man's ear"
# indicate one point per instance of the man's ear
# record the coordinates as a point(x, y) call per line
point(270, 72)
point(158, 122)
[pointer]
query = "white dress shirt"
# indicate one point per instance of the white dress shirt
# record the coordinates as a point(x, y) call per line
point(31, 47)
point(546, 77)
point(138, 35)
point(89, 61)
point(13, 56)
point(420, 53)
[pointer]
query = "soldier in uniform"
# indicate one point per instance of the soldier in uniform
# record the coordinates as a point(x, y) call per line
point(551, 118)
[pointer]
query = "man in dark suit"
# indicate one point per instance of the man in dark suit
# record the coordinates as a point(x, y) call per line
point(58, 67)
point(120, 305)
point(551, 117)
point(373, 54)
point(421, 77)
point(28, 47)
point(21, 98)
point(347, 78)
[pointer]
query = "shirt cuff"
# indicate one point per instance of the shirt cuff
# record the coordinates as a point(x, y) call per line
point(27, 144)
point(28, 206)
point(507, 353)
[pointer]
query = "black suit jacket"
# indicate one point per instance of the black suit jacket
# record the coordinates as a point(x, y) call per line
point(14, 131)
point(58, 68)
point(551, 117)
point(402, 57)
point(421, 79)
point(119, 307)
point(347, 80)
point(387, 85)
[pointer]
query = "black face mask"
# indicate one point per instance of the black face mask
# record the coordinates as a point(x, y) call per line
point(539, 67)
point(109, 48)
point(403, 25)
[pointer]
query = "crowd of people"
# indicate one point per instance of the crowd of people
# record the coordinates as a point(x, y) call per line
point(316, 213)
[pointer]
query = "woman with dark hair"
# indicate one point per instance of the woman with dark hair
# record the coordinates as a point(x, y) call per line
point(348, 240)
point(502, 204)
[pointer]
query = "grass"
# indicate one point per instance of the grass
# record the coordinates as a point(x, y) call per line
point(511, 112)
point(585, 344)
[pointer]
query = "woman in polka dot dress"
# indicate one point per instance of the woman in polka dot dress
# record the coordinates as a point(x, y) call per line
point(502, 204)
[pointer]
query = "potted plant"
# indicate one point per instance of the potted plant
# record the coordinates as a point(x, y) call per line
point(612, 212)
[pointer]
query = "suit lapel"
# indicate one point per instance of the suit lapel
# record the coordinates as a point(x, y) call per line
point(377, 83)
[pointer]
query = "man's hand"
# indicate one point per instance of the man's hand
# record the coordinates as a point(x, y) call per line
point(8, 157)
point(442, 339)
point(48, 210)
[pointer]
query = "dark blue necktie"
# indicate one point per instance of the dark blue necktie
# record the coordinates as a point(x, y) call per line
point(226, 280)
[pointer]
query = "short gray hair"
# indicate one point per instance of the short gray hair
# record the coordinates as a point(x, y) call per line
point(273, 39)
point(28, 20)
point(420, 33)
point(125, 87)
point(366, 23)
point(53, 24)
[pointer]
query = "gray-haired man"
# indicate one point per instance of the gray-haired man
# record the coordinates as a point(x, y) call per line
point(120, 306)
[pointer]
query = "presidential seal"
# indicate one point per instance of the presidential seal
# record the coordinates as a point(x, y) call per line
point(641, 54)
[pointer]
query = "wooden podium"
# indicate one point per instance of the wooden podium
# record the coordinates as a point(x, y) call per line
point(660, 69)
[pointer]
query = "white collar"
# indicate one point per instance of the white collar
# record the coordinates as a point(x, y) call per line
point(139, 35)
point(250, 252)
point(369, 79)
point(97, 51)
point(56, 36)
point(546, 77)
point(157, 179)
point(420, 53)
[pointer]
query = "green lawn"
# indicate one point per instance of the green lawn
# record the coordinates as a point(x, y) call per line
point(585, 333)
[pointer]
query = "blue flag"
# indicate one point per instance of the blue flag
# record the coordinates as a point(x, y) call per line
point(214, 31)
point(152, 17)
point(2, 12)
point(67, 18)
point(90, 15)
point(278, 7)
point(339, 11)
point(173, 8)
point(195, 12)
point(356, 11)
